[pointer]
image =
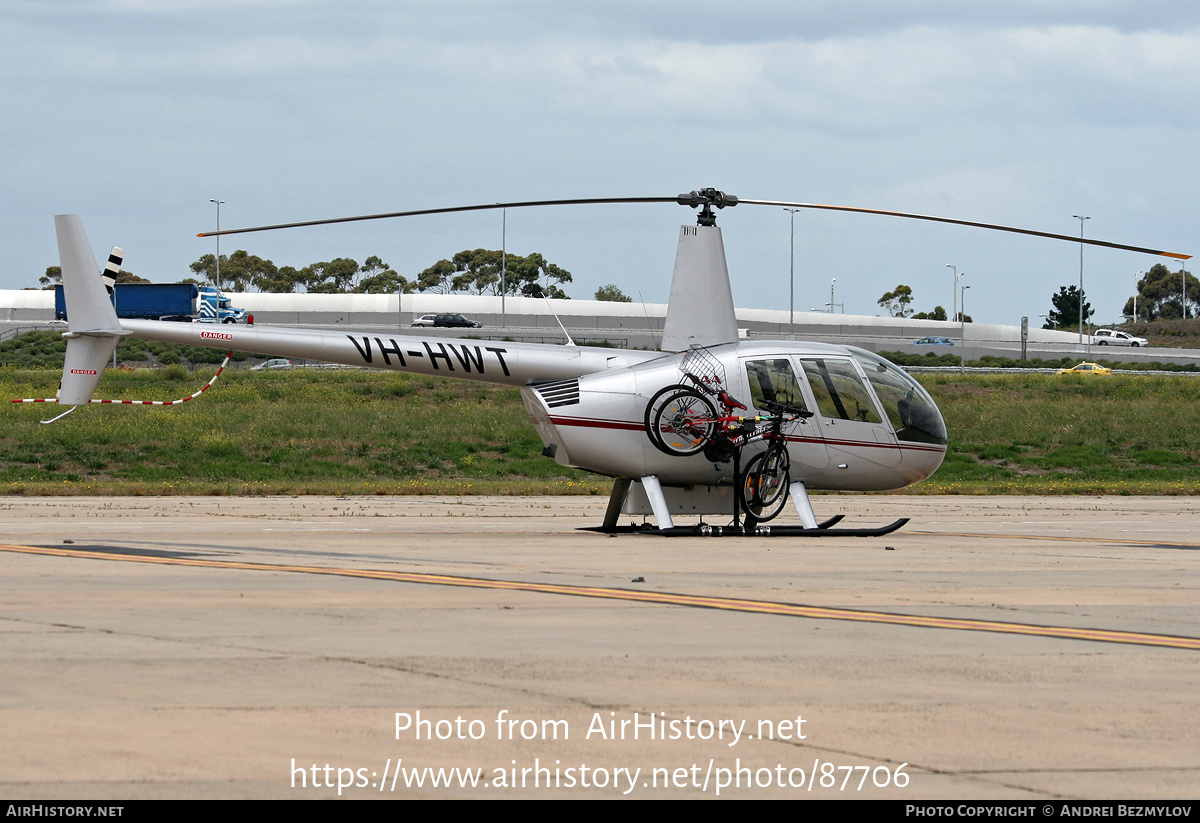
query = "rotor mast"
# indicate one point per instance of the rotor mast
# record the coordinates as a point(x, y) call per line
point(700, 311)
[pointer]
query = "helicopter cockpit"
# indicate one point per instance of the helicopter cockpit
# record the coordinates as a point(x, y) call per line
point(910, 409)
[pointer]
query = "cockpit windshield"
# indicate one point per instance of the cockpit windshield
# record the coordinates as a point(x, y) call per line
point(910, 409)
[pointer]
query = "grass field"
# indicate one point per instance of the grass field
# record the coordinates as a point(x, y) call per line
point(1043, 434)
point(362, 432)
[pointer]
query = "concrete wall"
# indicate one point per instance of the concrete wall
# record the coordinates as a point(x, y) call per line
point(628, 325)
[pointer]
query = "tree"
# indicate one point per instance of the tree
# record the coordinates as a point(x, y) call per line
point(129, 277)
point(938, 313)
point(283, 281)
point(1160, 294)
point(333, 277)
point(478, 271)
point(436, 278)
point(379, 278)
point(371, 268)
point(541, 278)
point(239, 270)
point(1065, 313)
point(385, 282)
point(611, 294)
point(897, 301)
point(206, 267)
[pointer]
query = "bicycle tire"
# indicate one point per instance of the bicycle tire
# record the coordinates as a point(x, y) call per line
point(765, 484)
point(681, 423)
point(653, 406)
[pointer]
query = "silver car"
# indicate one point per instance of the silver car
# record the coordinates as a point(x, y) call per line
point(1112, 337)
point(425, 320)
point(273, 363)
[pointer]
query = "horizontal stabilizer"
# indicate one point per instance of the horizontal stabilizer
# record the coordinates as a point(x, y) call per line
point(87, 355)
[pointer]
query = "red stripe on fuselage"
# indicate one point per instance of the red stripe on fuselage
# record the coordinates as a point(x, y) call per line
point(626, 425)
point(596, 423)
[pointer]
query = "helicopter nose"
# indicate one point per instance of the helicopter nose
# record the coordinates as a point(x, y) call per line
point(919, 463)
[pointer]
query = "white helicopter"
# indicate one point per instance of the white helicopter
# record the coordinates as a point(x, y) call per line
point(707, 426)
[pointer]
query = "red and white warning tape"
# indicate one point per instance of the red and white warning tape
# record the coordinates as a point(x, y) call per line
point(193, 396)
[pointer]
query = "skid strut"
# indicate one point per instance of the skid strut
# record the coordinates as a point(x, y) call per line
point(666, 528)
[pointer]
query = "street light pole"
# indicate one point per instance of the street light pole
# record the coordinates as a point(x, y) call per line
point(503, 266)
point(962, 334)
point(1081, 219)
point(953, 288)
point(218, 202)
point(1183, 277)
point(832, 304)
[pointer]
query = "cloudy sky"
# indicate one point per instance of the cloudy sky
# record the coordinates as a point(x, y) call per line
point(134, 113)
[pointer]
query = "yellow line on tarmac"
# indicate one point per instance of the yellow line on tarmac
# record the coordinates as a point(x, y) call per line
point(663, 598)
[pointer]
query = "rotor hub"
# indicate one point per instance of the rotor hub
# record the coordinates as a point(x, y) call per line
point(705, 199)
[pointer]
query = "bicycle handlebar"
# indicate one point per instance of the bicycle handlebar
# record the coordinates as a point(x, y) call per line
point(783, 408)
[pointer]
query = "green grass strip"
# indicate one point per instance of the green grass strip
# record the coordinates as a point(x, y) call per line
point(310, 431)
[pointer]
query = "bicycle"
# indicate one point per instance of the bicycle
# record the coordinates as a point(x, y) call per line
point(766, 479)
point(682, 421)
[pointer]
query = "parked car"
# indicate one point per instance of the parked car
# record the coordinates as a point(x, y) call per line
point(425, 320)
point(454, 321)
point(1086, 368)
point(273, 363)
point(1112, 337)
point(934, 341)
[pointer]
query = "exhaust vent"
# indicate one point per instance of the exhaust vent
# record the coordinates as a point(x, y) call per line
point(559, 393)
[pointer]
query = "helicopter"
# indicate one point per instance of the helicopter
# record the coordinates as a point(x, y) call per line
point(664, 425)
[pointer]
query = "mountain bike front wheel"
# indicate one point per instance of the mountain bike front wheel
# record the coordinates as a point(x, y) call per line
point(765, 484)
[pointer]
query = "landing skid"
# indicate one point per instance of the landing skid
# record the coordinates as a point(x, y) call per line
point(666, 528)
point(706, 530)
point(822, 530)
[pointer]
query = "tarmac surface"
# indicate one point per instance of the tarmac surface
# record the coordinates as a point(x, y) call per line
point(254, 647)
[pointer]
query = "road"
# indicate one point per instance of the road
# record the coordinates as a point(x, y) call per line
point(223, 647)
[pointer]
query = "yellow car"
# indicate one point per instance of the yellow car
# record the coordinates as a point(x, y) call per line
point(1086, 368)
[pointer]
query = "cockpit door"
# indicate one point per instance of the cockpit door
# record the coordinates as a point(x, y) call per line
point(848, 415)
point(774, 379)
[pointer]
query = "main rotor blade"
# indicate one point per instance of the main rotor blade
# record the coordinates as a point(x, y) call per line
point(994, 226)
point(484, 207)
point(700, 198)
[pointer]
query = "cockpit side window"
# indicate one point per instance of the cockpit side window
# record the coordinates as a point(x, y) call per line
point(773, 381)
point(839, 390)
point(909, 408)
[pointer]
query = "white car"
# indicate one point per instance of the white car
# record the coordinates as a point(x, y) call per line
point(425, 320)
point(1111, 337)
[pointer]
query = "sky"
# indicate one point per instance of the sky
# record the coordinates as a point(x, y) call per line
point(135, 114)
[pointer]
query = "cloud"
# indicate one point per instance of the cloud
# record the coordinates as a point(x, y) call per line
point(1011, 111)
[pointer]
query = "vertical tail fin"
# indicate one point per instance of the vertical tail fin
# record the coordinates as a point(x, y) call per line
point(92, 321)
point(701, 309)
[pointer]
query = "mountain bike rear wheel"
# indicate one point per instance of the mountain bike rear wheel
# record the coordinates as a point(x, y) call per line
point(653, 408)
point(680, 421)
